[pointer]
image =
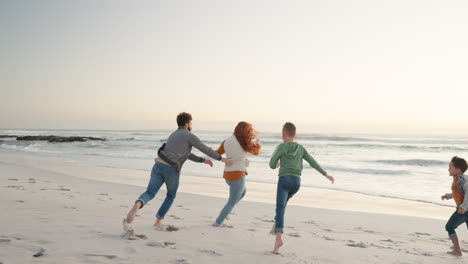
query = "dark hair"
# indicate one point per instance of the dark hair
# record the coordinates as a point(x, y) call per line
point(289, 129)
point(459, 163)
point(183, 118)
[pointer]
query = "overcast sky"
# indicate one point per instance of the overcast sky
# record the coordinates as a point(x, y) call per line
point(329, 66)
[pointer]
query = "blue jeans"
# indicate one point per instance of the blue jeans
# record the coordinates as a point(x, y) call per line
point(237, 191)
point(287, 187)
point(161, 173)
point(454, 221)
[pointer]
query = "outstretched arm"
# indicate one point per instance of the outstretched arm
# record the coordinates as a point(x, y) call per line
point(316, 166)
point(446, 196)
point(313, 163)
point(196, 142)
point(196, 158)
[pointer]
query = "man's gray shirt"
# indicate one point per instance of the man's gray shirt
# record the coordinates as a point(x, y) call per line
point(178, 147)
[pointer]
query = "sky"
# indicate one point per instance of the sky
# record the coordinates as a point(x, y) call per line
point(334, 66)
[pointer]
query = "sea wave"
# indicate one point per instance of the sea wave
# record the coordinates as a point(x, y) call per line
point(403, 147)
point(414, 162)
point(369, 171)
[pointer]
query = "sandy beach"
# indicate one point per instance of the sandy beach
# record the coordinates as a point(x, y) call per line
point(65, 212)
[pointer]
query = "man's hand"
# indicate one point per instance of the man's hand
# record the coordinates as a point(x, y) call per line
point(209, 162)
point(461, 211)
point(226, 161)
point(330, 178)
point(444, 197)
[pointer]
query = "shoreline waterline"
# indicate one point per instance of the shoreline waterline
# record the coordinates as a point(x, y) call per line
point(256, 192)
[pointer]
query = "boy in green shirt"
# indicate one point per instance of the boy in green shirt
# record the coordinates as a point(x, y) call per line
point(289, 155)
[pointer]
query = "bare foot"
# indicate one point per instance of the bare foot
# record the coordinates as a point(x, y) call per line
point(454, 253)
point(131, 214)
point(159, 224)
point(278, 244)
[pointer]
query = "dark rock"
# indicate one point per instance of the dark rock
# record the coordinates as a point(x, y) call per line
point(59, 138)
point(40, 253)
point(8, 136)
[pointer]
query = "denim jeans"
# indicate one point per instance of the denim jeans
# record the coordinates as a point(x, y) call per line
point(161, 173)
point(237, 191)
point(287, 187)
point(454, 221)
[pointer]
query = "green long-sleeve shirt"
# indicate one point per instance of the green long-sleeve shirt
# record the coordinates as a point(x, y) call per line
point(290, 156)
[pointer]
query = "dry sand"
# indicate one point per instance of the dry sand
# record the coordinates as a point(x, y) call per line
point(65, 212)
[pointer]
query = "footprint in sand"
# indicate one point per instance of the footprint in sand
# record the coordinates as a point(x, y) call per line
point(40, 253)
point(175, 217)
point(4, 241)
point(155, 244)
point(422, 234)
point(171, 228)
point(181, 261)
point(101, 255)
point(439, 239)
point(12, 179)
point(392, 241)
point(161, 244)
point(418, 234)
point(310, 222)
point(210, 252)
point(12, 237)
point(294, 235)
point(328, 238)
point(358, 245)
point(223, 225)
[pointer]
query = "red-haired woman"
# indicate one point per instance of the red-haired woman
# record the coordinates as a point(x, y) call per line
point(236, 148)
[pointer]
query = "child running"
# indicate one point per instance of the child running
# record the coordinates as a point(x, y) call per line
point(457, 168)
point(236, 148)
point(290, 155)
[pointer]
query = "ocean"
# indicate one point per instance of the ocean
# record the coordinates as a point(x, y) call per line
point(403, 167)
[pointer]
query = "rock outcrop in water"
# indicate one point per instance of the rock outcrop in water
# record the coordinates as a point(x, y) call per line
point(59, 138)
